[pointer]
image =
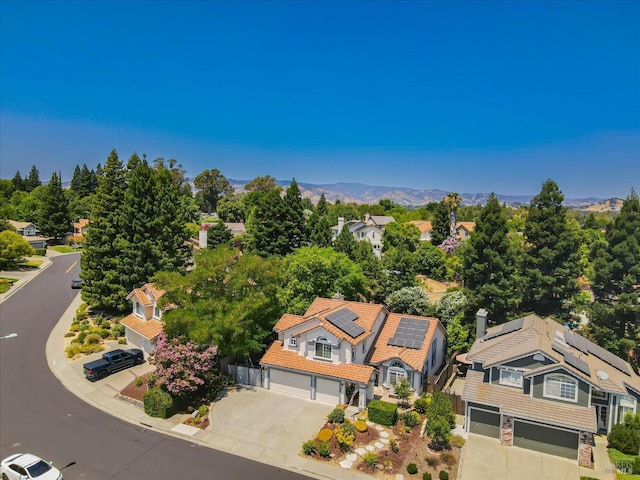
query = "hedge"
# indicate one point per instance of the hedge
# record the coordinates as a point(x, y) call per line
point(383, 413)
point(158, 403)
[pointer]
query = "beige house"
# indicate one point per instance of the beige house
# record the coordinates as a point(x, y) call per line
point(144, 324)
point(29, 232)
point(370, 229)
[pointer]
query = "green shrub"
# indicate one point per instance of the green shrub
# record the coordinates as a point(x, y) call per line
point(443, 475)
point(75, 326)
point(411, 419)
point(420, 404)
point(344, 437)
point(122, 341)
point(81, 315)
point(361, 426)
point(203, 410)
point(456, 441)
point(432, 461)
point(324, 449)
point(412, 469)
point(84, 325)
point(370, 458)
point(92, 339)
point(152, 378)
point(138, 381)
point(426, 476)
point(325, 434)
point(448, 459)
point(624, 438)
point(89, 348)
point(158, 403)
point(636, 466)
point(41, 252)
point(72, 350)
point(117, 330)
point(383, 413)
point(348, 427)
point(309, 447)
point(80, 338)
point(69, 334)
point(336, 415)
point(393, 445)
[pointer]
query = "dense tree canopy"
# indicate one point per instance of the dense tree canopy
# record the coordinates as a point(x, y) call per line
point(440, 224)
point(211, 186)
point(13, 248)
point(55, 221)
point(228, 300)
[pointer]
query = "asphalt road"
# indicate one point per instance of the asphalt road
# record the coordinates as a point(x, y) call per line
point(38, 415)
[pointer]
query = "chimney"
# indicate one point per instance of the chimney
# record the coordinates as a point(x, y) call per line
point(202, 237)
point(481, 323)
point(338, 296)
point(340, 224)
point(367, 217)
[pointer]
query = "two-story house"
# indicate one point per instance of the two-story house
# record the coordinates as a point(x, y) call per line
point(536, 384)
point(370, 229)
point(144, 324)
point(339, 349)
point(30, 233)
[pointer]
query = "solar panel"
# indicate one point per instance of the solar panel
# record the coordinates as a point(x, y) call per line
point(409, 333)
point(508, 327)
point(577, 341)
point(344, 320)
point(610, 358)
point(559, 349)
point(577, 363)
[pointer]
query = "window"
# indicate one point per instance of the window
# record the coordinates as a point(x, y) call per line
point(364, 346)
point(139, 310)
point(627, 405)
point(595, 393)
point(561, 387)
point(156, 312)
point(323, 350)
point(353, 354)
point(293, 342)
point(513, 378)
point(396, 373)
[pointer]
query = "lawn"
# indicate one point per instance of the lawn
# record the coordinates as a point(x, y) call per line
point(618, 456)
point(6, 283)
point(63, 249)
point(30, 264)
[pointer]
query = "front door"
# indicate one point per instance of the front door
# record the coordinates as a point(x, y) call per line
point(601, 415)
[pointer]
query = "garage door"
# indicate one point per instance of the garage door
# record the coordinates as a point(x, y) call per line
point(327, 390)
point(290, 383)
point(485, 423)
point(545, 439)
point(133, 338)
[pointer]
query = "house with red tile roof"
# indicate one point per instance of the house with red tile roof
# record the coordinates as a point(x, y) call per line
point(144, 324)
point(539, 385)
point(340, 350)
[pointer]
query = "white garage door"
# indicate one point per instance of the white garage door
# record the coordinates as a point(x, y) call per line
point(327, 390)
point(133, 338)
point(290, 383)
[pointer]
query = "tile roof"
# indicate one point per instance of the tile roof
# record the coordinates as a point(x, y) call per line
point(423, 225)
point(469, 226)
point(287, 321)
point(367, 315)
point(513, 401)
point(276, 356)
point(149, 329)
point(382, 220)
point(143, 297)
point(381, 352)
point(539, 335)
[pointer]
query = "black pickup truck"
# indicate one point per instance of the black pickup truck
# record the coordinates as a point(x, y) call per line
point(112, 362)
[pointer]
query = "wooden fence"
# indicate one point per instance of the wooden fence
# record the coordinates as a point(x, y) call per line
point(437, 383)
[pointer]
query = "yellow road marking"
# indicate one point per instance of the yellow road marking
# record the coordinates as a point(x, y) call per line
point(72, 265)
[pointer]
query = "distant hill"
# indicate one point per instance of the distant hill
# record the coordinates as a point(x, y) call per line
point(411, 197)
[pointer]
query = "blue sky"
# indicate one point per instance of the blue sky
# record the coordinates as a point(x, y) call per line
point(464, 96)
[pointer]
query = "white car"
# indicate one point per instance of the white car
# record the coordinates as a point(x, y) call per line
point(24, 466)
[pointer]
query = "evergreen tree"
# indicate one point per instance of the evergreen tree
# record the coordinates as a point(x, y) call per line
point(33, 180)
point(617, 269)
point(321, 208)
point(489, 264)
point(266, 226)
point(345, 243)
point(18, 182)
point(75, 180)
point(218, 234)
point(440, 225)
point(212, 186)
point(295, 223)
point(551, 264)
point(103, 244)
point(320, 230)
point(55, 221)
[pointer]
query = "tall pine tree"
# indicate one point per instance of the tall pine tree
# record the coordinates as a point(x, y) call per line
point(103, 244)
point(55, 220)
point(440, 224)
point(295, 223)
point(266, 226)
point(489, 264)
point(33, 179)
point(551, 264)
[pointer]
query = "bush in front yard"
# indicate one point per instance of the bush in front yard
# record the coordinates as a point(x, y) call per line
point(624, 438)
point(309, 447)
point(324, 449)
point(325, 434)
point(412, 469)
point(336, 415)
point(383, 413)
point(157, 403)
point(411, 419)
point(443, 475)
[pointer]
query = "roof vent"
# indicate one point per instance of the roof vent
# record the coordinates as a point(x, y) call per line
point(602, 375)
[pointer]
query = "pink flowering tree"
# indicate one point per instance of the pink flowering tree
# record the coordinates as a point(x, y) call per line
point(449, 245)
point(183, 366)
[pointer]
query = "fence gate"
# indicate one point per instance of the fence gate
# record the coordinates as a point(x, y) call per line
point(251, 376)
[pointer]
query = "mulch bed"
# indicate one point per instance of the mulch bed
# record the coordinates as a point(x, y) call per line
point(136, 391)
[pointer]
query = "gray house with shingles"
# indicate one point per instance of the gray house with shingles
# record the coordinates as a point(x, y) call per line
point(536, 384)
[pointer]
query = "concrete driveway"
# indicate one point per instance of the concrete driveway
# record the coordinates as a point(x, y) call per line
point(485, 459)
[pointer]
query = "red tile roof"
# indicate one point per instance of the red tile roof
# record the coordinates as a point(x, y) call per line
point(149, 329)
point(276, 356)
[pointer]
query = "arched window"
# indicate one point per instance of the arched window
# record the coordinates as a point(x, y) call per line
point(397, 373)
point(561, 387)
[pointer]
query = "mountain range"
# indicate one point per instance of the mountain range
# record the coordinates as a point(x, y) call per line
point(411, 197)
